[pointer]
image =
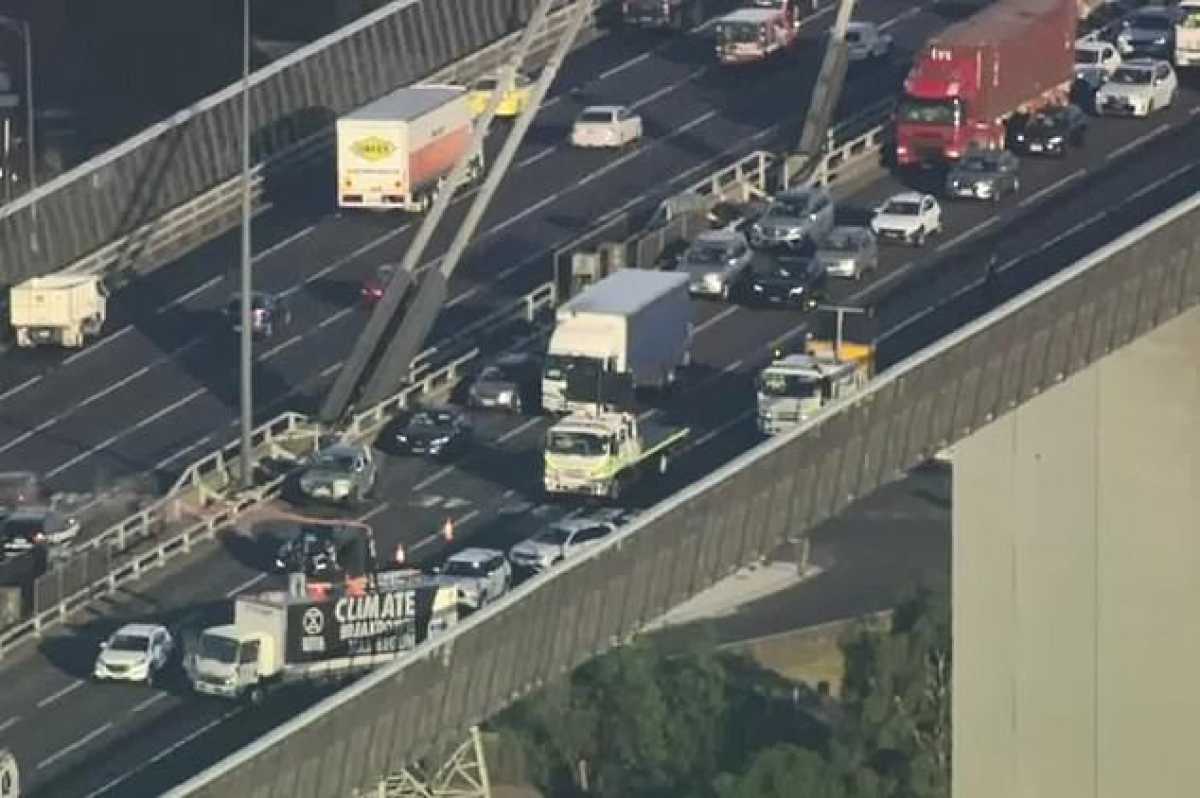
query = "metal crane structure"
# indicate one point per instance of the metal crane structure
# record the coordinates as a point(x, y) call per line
point(462, 774)
point(380, 361)
point(828, 90)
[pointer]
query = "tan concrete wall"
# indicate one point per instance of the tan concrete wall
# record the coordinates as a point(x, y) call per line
point(1076, 581)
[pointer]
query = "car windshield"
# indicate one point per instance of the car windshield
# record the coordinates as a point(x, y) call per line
point(1086, 56)
point(486, 84)
point(977, 165)
point(21, 528)
point(791, 207)
point(15, 488)
point(785, 269)
point(1044, 123)
point(557, 366)
point(463, 568)
point(707, 254)
point(554, 536)
point(930, 112)
point(430, 419)
point(777, 384)
point(1131, 76)
point(596, 117)
point(902, 208)
point(734, 32)
point(257, 302)
point(384, 273)
point(127, 642)
point(335, 461)
point(582, 444)
point(842, 243)
point(218, 648)
point(1191, 19)
point(1150, 22)
point(853, 37)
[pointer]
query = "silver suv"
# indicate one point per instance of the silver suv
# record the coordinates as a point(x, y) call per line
point(849, 252)
point(481, 576)
point(794, 218)
point(565, 538)
point(343, 473)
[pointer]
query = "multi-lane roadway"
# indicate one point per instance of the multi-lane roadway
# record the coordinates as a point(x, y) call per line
point(87, 736)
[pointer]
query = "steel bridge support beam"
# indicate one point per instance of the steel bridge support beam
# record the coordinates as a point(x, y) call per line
point(463, 775)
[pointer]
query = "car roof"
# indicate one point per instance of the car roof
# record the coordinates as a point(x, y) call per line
point(513, 359)
point(750, 15)
point(601, 109)
point(719, 236)
point(1152, 11)
point(578, 523)
point(350, 449)
point(140, 629)
point(474, 555)
point(860, 25)
point(28, 513)
point(1142, 63)
point(906, 196)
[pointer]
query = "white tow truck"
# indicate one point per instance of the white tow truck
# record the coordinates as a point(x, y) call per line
point(602, 453)
point(794, 388)
point(278, 638)
point(61, 310)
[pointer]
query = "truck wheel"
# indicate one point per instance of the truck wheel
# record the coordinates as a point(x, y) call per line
point(615, 490)
point(255, 695)
point(919, 238)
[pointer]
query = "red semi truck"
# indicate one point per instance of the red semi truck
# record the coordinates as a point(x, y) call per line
point(1014, 56)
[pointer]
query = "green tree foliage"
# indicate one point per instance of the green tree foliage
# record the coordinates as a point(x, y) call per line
point(897, 701)
point(785, 771)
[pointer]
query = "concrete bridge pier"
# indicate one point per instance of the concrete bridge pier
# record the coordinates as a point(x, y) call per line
point(1076, 584)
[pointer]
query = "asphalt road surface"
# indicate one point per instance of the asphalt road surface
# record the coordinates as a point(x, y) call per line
point(87, 735)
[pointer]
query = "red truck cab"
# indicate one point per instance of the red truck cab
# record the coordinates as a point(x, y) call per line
point(1014, 56)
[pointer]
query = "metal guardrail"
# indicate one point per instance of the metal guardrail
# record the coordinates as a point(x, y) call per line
point(113, 558)
point(177, 184)
point(778, 490)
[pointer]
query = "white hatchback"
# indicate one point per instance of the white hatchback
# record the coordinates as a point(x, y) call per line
point(606, 126)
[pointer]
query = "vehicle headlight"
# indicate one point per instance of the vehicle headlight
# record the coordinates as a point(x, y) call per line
point(504, 397)
point(1161, 40)
point(757, 288)
point(796, 291)
point(341, 486)
point(402, 438)
point(442, 441)
point(1055, 140)
point(713, 279)
point(983, 187)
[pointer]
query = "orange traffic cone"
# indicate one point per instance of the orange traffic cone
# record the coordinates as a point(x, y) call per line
point(399, 554)
point(448, 529)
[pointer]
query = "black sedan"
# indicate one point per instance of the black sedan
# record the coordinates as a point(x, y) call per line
point(435, 431)
point(512, 382)
point(1052, 131)
point(786, 281)
point(985, 175)
point(312, 550)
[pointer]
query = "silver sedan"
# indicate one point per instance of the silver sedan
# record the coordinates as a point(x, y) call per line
point(849, 252)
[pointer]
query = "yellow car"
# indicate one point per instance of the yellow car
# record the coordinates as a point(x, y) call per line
point(514, 102)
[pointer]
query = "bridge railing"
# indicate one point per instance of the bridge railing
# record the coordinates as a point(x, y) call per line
point(177, 183)
point(203, 501)
point(779, 490)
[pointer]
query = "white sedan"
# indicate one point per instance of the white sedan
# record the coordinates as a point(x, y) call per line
point(606, 126)
point(1138, 88)
point(135, 653)
point(908, 217)
point(1095, 60)
point(865, 41)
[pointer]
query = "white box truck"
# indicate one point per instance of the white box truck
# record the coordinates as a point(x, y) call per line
point(63, 310)
point(277, 638)
point(396, 152)
point(633, 322)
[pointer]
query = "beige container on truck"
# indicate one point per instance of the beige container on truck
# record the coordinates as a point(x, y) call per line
point(62, 310)
point(395, 152)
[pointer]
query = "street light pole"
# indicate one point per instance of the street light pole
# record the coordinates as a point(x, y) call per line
point(29, 106)
point(247, 343)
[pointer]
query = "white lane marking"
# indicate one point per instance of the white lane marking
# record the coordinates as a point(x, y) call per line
point(182, 298)
point(432, 478)
point(608, 73)
point(8, 724)
point(537, 156)
point(374, 511)
point(149, 702)
point(103, 342)
point(724, 314)
point(107, 442)
point(665, 90)
point(1070, 231)
point(970, 233)
point(249, 583)
point(515, 431)
point(1162, 181)
point(1138, 142)
point(18, 388)
point(166, 461)
point(164, 753)
point(50, 699)
point(436, 536)
point(909, 14)
point(708, 436)
point(75, 746)
point(1055, 186)
point(270, 353)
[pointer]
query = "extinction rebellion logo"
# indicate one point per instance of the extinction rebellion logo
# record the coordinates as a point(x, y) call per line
point(373, 148)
